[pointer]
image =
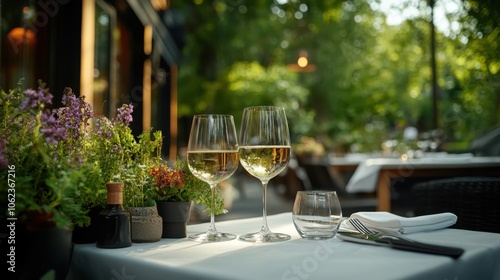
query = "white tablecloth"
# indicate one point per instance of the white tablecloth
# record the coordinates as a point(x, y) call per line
point(294, 259)
point(365, 177)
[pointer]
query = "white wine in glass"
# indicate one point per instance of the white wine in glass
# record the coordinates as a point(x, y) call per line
point(212, 156)
point(264, 152)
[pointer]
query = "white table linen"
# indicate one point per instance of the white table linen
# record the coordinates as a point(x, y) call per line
point(295, 259)
point(364, 178)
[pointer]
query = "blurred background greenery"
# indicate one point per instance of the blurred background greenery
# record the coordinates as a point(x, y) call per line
point(370, 66)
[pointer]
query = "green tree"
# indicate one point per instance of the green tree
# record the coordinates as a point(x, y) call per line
point(369, 75)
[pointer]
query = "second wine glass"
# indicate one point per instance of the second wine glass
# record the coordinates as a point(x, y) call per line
point(212, 156)
point(264, 152)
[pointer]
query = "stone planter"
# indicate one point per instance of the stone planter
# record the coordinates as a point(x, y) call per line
point(146, 224)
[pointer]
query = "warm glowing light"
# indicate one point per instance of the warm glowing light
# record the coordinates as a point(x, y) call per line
point(302, 61)
point(302, 64)
point(19, 34)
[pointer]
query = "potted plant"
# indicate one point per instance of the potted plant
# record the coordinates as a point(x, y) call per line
point(40, 152)
point(175, 188)
point(138, 195)
point(146, 224)
point(118, 156)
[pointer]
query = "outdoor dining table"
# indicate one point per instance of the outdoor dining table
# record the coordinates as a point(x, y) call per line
point(293, 259)
point(378, 174)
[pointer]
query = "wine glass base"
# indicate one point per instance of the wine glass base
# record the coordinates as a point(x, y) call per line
point(265, 237)
point(212, 237)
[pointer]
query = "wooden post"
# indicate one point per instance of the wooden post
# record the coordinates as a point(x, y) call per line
point(433, 69)
point(172, 155)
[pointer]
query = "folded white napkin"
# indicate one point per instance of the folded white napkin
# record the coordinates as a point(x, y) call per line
point(388, 222)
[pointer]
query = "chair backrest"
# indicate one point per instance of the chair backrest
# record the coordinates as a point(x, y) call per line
point(320, 177)
point(487, 144)
point(475, 200)
point(291, 180)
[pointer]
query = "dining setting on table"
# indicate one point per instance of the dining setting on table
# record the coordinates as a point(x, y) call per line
point(380, 174)
point(385, 180)
point(311, 241)
point(440, 253)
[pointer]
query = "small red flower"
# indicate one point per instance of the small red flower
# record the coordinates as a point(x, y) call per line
point(165, 176)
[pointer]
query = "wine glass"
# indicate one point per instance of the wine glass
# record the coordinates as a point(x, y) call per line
point(264, 152)
point(212, 156)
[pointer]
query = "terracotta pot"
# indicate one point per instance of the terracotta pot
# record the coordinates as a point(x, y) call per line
point(146, 224)
point(175, 215)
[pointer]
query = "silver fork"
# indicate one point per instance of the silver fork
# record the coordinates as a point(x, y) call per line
point(403, 243)
point(357, 224)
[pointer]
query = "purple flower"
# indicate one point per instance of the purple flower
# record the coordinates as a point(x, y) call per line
point(4, 162)
point(115, 149)
point(75, 114)
point(36, 99)
point(52, 129)
point(125, 114)
point(103, 127)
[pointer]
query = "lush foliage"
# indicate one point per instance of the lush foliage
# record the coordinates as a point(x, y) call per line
point(308, 146)
point(250, 84)
point(57, 164)
point(119, 156)
point(372, 78)
point(40, 154)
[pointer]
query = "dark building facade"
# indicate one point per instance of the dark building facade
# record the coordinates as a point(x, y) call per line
point(111, 51)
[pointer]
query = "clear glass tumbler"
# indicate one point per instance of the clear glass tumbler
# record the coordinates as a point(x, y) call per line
point(317, 214)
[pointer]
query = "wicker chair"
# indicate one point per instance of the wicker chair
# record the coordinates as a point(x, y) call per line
point(475, 200)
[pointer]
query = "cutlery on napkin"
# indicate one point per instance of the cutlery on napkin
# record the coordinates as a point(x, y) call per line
point(400, 243)
point(388, 222)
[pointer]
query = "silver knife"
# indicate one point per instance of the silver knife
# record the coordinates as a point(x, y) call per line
point(401, 243)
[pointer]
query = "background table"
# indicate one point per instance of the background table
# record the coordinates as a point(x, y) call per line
point(294, 259)
point(379, 173)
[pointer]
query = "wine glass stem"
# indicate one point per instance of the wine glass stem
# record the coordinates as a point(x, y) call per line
point(265, 228)
point(212, 229)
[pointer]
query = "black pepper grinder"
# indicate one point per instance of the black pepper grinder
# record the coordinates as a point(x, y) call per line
point(113, 223)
